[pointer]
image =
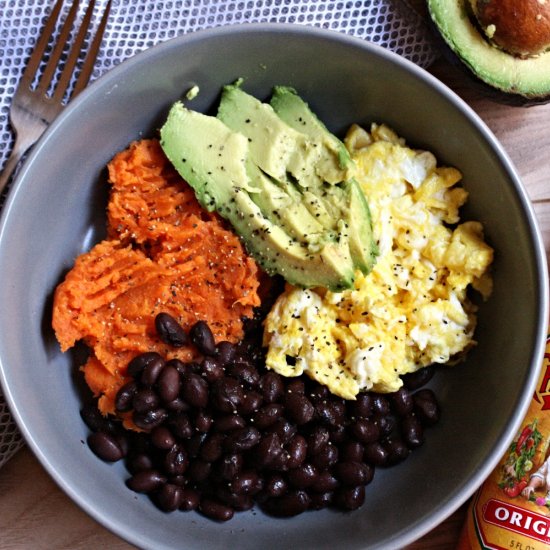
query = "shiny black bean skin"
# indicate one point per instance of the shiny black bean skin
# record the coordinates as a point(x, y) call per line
point(303, 476)
point(169, 497)
point(352, 450)
point(299, 408)
point(296, 385)
point(320, 500)
point(350, 498)
point(162, 438)
point(268, 415)
point(239, 503)
point(246, 373)
point(199, 470)
point(351, 473)
point(94, 419)
point(215, 510)
point(106, 446)
point(242, 439)
point(426, 406)
point(202, 337)
point(181, 426)
point(291, 504)
point(297, 451)
point(381, 405)
point(170, 331)
point(250, 403)
point(168, 383)
point(415, 380)
point(227, 394)
point(376, 454)
point(148, 420)
point(268, 449)
point(146, 481)
point(226, 352)
point(145, 400)
point(325, 482)
point(176, 460)
point(246, 483)
point(229, 422)
point(412, 431)
point(284, 429)
point(363, 406)
point(194, 443)
point(386, 424)
point(338, 434)
point(402, 402)
point(190, 499)
point(317, 439)
point(275, 486)
point(330, 412)
point(272, 386)
point(177, 405)
point(151, 371)
point(125, 396)
point(230, 465)
point(138, 363)
point(195, 390)
point(139, 462)
point(203, 421)
point(365, 431)
point(212, 369)
point(397, 450)
point(319, 393)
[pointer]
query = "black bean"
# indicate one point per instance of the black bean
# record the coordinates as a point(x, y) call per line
point(386, 424)
point(291, 504)
point(325, 482)
point(299, 408)
point(246, 373)
point(183, 368)
point(350, 498)
point(106, 446)
point(138, 363)
point(320, 500)
point(227, 394)
point(363, 406)
point(199, 470)
point(402, 401)
point(138, 462)
point(212, 448)
point(195, 390)
point(352, 450)
point(317, 439)
point(228, 422)
point(202, 337)
point(170, 331)
point(239, 503)
point(272, 386)
point(177, 405)
point(268, 449)
point(151, 371)
point(426, 406)
point(353, 473)
point(94, 419)
point(145, 400)
point(303, 476)
point(242, 439)
point(194, 444)
point(380, 405)
point(415, 380)
point(365, 431)
point(181, 426)
point(318, 393)
point(169, 497)
point(168, 383)
point(326, 457)
point(146, 481)
point(295, 385)
point(125, 396)
point(246, 483)
point(176, 460)
point(297, 451)
point(268, 415)
point(330, 412)
point(412, 431)
point(397, 450)
point(250, 403)
point(162, 438)
point(230, 465)
point(226, 352)
point(376, 454)
point(211, 369)
point(275, 485)
point(190, 499)
point(284, 429)
point(338, 434)
point(203, 421)
point(148, 420)
point(215, 510)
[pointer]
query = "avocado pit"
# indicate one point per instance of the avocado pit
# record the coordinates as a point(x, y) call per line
point(519, 27)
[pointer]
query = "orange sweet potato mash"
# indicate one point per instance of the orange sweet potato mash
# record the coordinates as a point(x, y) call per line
point(163, 253)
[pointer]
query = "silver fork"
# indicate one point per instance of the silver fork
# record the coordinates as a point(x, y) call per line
point(34, 109)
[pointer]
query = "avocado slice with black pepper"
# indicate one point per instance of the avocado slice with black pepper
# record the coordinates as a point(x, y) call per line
point(519, 76)
point(216, 162)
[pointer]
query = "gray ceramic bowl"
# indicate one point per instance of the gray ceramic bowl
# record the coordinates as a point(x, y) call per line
point(55, 211)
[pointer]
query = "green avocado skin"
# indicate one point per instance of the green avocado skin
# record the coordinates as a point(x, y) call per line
point(266, 179)
point(507, 78)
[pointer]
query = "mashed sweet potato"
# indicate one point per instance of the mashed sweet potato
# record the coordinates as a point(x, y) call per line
point(163, 253)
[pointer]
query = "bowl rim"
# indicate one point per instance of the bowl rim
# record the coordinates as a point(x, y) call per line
point(182, 41)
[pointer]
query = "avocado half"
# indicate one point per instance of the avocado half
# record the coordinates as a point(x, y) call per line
point(524, 80)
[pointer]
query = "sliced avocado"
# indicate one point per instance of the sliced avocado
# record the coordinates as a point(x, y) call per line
point(528, 77)
point(215, 161)
point(291, 108)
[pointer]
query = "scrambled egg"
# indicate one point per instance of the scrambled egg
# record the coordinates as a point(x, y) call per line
point(412, 310)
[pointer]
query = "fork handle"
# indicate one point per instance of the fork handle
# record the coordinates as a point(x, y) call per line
point(21, 146)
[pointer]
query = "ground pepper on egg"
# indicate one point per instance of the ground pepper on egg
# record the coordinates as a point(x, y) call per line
point(413, 309)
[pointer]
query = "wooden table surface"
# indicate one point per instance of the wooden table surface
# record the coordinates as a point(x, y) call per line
point(34, 513)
